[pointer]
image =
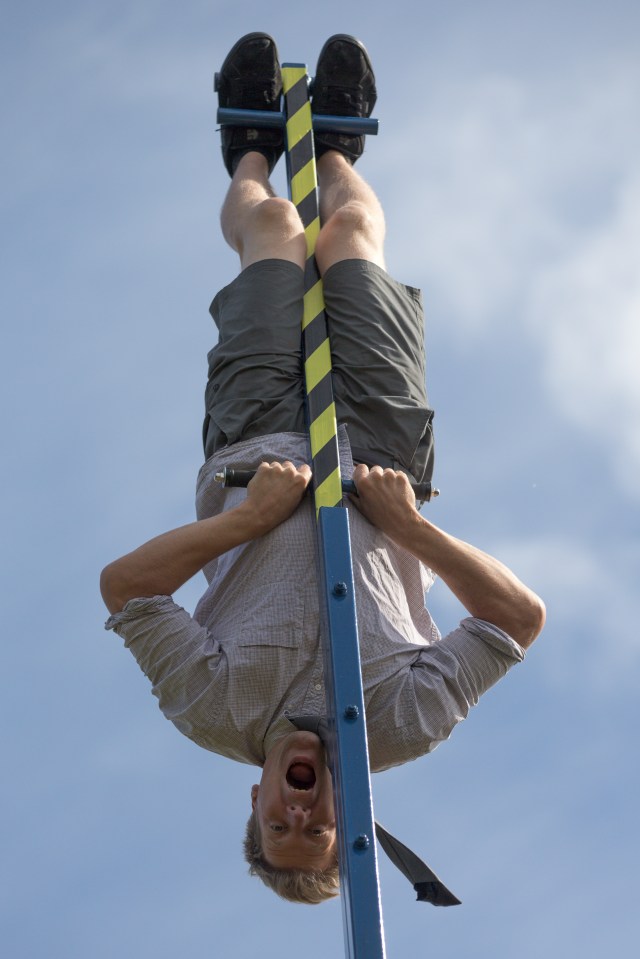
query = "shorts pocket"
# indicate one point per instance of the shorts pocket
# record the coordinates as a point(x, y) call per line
point(397, 427)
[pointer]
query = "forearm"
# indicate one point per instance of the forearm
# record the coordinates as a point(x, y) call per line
point(166, 562)
point(486, 587)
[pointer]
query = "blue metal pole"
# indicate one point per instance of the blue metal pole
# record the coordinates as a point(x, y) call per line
point(347, 741)
point(347, 746)
point(348, 750)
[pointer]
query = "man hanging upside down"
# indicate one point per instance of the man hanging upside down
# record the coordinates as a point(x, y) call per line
point(230, 676)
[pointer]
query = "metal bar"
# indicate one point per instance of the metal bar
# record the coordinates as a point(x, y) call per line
point(360, 885)
point(229, 476)
point(322, 123)
point(347, 745)
point(316, 354)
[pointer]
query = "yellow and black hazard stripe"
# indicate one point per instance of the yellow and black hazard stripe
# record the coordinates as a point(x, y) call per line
point(316, 352)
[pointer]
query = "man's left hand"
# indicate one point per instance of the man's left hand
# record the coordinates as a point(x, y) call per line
point(386, 499)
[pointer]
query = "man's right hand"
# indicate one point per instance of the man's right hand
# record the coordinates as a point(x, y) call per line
point(162, 565)
point(274, 493)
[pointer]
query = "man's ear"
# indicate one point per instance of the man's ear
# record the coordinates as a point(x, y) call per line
point(254, 796)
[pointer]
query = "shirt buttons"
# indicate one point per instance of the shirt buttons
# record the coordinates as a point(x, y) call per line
point(318, 686)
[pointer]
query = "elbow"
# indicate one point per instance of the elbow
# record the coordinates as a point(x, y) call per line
point(112, 588)
point(531, 620)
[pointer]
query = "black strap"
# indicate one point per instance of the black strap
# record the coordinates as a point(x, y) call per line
point(425, 882)
point(422, 878)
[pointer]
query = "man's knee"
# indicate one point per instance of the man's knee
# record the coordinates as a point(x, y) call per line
point(274, 231)
point(353, 231)
point(354, 217)
point(278, 218)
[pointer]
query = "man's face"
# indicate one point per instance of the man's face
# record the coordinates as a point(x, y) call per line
point(294, 805)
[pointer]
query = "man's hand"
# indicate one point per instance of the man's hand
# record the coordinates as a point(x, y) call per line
point(484, 586)
point(162, 565)
point(386, 499)
point(274, 493)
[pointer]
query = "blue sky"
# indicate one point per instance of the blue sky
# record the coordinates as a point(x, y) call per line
point(507, 162)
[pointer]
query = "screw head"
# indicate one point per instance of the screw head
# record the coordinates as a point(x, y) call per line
point(351, 713)
point(361, 842)
point(340, 589)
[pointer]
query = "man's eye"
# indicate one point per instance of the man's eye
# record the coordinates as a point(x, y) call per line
point(276, 827)
point(318, 831)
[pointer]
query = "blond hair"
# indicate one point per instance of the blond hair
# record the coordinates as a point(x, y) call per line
point(294, 885)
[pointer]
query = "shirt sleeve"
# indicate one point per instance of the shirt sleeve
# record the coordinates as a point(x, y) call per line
point(451, 675)
point(180, 658)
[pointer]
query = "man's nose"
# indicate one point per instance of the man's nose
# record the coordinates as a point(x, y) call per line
point(297, 813)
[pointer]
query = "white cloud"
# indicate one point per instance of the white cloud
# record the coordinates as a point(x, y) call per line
point(586, 310)
point(528, 218)
point(591, 598)
point(478, 221)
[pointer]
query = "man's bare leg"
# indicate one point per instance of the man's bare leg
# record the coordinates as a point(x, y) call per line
point(352, 217)
point(255, 222)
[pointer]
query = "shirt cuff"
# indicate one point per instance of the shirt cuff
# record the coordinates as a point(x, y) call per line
point(136, 607)
point(494, 636)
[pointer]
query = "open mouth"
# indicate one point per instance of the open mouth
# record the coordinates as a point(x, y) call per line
point(301, 776)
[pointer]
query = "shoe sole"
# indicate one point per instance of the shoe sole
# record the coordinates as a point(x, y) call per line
point(239, 43)
point(353, 41)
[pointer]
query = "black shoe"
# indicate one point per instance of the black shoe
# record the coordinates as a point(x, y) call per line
point(344, 86)
point(250, 80)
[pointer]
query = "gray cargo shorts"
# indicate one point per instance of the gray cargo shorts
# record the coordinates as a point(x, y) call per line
point(376, 331)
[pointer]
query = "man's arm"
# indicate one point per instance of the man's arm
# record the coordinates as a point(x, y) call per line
point(485, 587)
point(165, 563)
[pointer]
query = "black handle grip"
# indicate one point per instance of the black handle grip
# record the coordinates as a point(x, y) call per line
point(233, 477)
point(236, 477)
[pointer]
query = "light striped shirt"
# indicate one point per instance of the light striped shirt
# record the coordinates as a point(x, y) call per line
point(251, 653)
